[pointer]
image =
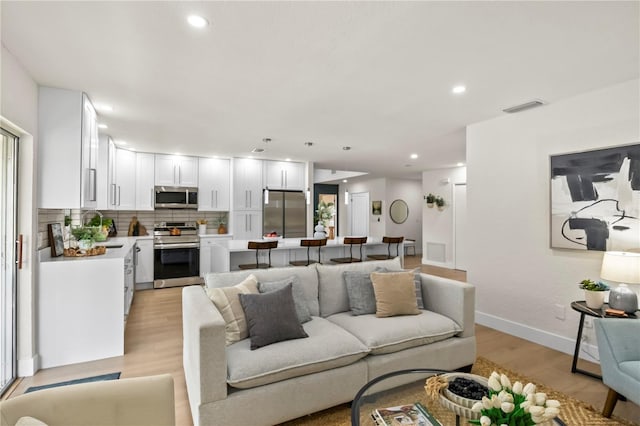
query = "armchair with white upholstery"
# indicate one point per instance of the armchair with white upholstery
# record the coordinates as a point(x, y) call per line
point(140, 401)
point(619, 348)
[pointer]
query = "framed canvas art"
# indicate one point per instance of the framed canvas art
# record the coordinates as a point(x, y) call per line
point(56, 240)
point(595, 199)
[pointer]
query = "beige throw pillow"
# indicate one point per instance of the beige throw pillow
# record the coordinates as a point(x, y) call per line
point(395, 293)
point(227, 300)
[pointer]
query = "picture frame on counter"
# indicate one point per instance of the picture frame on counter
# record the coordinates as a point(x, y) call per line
point(56, 240)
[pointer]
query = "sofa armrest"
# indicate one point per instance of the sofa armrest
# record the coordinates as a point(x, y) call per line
point(451, 298)
point(128, 402)
point(204, 349)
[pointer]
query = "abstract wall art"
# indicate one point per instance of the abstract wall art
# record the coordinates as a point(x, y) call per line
point(595, 199)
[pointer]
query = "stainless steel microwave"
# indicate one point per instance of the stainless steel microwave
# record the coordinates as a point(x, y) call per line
point(176, 197)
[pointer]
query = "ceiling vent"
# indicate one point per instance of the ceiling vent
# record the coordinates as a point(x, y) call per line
point(257, 150)
point(527, 105)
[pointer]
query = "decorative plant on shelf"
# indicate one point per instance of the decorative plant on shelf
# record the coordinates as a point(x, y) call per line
point(85, 235)
point(591, 285)
point(439, 202)
point(593, 293)
point(514, 405)
point(430, 199)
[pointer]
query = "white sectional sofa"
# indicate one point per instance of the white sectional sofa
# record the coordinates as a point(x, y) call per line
point(233, 385)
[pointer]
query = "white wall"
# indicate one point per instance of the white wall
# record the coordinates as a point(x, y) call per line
point(377, 191)
point(411, 192)
point(437, 225)
point(519, 278)
point(19, 112)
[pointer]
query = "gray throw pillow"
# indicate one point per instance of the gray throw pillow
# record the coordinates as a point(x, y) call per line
point(362, 299)
point(302, 310)
point(417, 281)
point(271, 317)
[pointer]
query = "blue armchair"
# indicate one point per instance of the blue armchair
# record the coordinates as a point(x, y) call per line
point(619, 348)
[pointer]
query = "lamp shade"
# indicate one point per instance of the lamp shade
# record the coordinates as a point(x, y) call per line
point(620, 266)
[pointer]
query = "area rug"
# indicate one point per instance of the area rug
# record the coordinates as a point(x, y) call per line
point(573, 411)
point(110, 376)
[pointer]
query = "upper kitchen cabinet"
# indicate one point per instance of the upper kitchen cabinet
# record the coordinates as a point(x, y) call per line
point(214, 182)
point(106, 173)
point(284, 175)
point(176, 170)
point(247, 184)
point(68, 149)
point(145, 191)
point(125, 189)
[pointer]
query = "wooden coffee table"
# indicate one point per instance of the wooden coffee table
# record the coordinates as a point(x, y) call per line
point(391, 390)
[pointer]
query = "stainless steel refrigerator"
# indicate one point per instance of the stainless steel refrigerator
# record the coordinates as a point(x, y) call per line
point(285, 214)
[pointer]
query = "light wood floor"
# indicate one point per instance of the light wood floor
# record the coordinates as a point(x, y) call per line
point(153, 345)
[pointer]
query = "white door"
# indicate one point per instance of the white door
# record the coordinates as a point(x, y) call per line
point(359, 214)
point(460, 226)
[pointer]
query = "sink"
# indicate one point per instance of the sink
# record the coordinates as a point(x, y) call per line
point(112, 245)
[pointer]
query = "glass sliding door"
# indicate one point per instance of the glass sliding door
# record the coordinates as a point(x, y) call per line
point(8, 269)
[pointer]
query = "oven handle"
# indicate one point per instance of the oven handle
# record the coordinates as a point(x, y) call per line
point(176, 246)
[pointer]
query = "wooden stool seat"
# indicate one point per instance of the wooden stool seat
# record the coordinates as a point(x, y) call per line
point(389, 241)
point(308, 243)
point(351, 241)
point(257, 246)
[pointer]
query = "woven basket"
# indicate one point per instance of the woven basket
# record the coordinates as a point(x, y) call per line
point(459, 405)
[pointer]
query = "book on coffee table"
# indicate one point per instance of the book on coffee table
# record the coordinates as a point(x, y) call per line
point(404, 415)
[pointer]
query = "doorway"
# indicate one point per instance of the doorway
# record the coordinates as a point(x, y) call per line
point(359, 214)
point(8, 270)
point(325, 206)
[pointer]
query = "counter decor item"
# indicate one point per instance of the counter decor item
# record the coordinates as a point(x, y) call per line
point(85, 236)
point(222, 227)
point(594, 292)
point(77, 252)
point(136, 228)
point(319, 231)
point(56, 240)
point(325, 213)
point(202, 226)
point(623, 299)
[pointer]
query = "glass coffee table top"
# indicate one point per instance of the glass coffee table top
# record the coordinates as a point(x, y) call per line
point(403, 388)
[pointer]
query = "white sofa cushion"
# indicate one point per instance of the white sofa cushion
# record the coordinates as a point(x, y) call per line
point(328, 346)
point(332, 288)
point(307, 274)
point(393, 334)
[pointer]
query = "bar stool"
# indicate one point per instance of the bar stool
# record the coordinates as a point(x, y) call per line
point(308, 243)
point(388, 240)
point(351, 241)
point(257, 246)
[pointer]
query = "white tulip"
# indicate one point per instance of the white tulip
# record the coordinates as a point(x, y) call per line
point(552, 403)
point(507, 407)
point(477, 407)
point(504, 380)
point(551, 412)
point(494, 384)
point(536, 411)
point(505, 396)
point(517, 387)
point(495, 375)
point(486, 403)
point(531, 398)
point(485, 421)
point(541, 397)
point(525, 405)
point(538, 419)
point(529, 388)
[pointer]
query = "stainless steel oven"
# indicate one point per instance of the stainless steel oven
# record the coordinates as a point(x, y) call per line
point(176, 255)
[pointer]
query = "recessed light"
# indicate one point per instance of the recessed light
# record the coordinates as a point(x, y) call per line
point(346, 148)
point(257, 150)
point(414, 156)
point(460, 164)
point(287, 159)
point(344, 180)
point(197, 21)
point(458, 89)
point(104, 107)
point(102, 126)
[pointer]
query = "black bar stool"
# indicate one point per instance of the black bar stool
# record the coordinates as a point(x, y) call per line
point(257, 246)
point(308, 243)
point(389, 241)
point(351, 241)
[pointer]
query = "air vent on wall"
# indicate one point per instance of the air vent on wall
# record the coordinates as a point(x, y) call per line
point(527, 105)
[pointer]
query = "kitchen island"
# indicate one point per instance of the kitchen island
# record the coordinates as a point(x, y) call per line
point(236, 252)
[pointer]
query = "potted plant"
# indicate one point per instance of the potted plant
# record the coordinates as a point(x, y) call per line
point(85, 235)
point(593, 292)
point(222, 226)
point(440, 203)
point(325, 212)
point(430, 199)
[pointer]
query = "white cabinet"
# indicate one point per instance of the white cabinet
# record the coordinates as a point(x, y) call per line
point(214, 254)
point(145, 167)
point(176, 170)
point(129, 280)
point(144, 261)
point(67, 149)
point(284, 175)
point(104, 192)
point(125, 194)
point(214, 182)
point(247, 225)
point(247, 184)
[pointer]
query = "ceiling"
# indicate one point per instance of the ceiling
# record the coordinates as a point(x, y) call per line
point(374, 76)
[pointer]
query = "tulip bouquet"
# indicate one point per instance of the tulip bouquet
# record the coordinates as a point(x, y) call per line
point(515, 405)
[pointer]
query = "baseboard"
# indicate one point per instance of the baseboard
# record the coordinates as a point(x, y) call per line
point(29, 366)
point(588, 352)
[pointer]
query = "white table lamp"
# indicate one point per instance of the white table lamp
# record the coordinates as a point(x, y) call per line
point(624, 268)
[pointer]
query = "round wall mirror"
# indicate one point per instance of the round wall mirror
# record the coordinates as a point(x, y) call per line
point(399, 211)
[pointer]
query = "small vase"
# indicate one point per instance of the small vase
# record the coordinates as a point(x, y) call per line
point(331, 233)
point(319, 231)
point(430, 205)
point(202, 228)
point(222, 229)
point(594, 299)
point(623, 298)
point(440, 208)
point(85, 244)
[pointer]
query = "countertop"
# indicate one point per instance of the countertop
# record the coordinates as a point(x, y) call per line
point(294, 243)
point(112, 253)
